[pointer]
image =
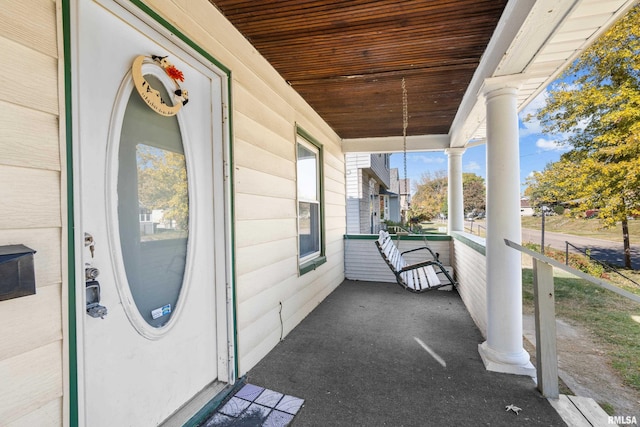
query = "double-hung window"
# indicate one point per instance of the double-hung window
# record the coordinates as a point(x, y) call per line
point(310, 209)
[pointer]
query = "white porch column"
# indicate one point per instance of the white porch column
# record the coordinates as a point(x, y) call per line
point(455, 194)
point(503, 350)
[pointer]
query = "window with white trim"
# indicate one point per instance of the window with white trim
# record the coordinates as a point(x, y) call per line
point(310, 209)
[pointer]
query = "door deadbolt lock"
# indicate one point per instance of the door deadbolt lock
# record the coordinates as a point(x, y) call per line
point(91, 273)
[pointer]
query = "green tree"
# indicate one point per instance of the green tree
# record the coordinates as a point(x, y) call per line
point(430, 197)
point(595, 107)
point(162, 183)
point(474, 192)
point(555, 184)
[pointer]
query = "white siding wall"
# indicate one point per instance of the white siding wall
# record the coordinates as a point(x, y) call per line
point(471, 274)
point(357, 160)
point(33, 204)
point(364, 262)
point(367, 205)
point(354, 192)
point(265, 112)
point(379, 168)
point(364, 173)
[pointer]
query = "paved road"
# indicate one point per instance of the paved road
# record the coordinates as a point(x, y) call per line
point(602, 250)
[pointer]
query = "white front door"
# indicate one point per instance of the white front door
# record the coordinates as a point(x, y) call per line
point(150, 199)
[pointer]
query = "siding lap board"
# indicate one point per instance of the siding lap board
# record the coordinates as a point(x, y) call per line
point(26, 22)
point(29, 138)
point(33, 200)
point(33, 81)
point(471, 276)
point(265, 230)
point(29, 381)
point(29, 332)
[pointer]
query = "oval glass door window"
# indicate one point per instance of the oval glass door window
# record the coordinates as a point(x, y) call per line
point(153, 207)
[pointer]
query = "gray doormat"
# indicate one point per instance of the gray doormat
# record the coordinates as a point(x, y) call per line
point(254, 406)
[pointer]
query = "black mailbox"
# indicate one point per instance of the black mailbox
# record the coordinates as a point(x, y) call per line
point(17, 277)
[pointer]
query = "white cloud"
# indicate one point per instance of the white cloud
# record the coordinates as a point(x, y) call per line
point(472, 166)
point(532, 126)
point(428, 160)
point(537, 103)
point(551, 145)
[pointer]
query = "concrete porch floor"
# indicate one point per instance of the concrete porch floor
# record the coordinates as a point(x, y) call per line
point(361, 359)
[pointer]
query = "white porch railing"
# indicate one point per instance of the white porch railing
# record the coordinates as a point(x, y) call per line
point(545, 316)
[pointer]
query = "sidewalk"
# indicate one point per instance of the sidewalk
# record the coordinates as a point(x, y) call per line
point(373, 354)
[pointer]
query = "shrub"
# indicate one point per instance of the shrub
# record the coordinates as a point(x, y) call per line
point(577, 261)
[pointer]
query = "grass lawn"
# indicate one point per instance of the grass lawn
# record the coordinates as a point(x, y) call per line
point(613, 319)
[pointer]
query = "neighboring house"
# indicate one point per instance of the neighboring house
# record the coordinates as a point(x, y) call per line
point(394, 197)
point(368, 181)
point(123, 330)
point(525, 207)
point(404, 190)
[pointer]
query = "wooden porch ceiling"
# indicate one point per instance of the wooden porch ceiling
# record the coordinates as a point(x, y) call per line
point(347, 58)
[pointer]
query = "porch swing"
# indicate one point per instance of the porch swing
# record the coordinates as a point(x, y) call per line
point(422, 276)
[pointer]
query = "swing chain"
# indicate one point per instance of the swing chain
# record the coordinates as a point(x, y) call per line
point(405, 124)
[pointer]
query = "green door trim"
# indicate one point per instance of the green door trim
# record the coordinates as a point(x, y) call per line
point(71, 259)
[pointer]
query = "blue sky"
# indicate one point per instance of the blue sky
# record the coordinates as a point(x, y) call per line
point(536, 150)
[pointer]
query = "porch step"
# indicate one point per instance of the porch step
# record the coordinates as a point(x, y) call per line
point(579, 411)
